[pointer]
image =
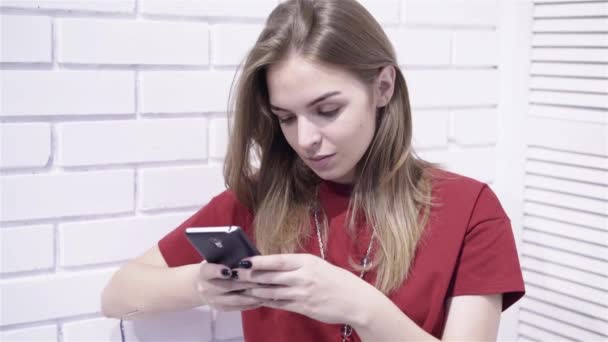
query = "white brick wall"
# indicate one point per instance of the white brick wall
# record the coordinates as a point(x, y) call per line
point(113, 130)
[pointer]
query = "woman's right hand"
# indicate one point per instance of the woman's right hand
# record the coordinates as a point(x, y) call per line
point(216, 289)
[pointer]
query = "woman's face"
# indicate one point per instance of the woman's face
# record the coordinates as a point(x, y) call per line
point(326, 115)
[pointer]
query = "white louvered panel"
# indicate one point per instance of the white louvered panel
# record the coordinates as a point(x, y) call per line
point(571, 10)
point(568, 245)
point(542, 2)
point(565, 223)
point(559, 298)
point(567, 172)
point(570, 84)
point(559, 328)
point(566, 215)
point(529, 332)
point(568, 201)
point(584, 160)
point(570, 69)
point(570, 55)
point(569, 40)
point(582, 137)
point(568, 230)
point(594, 326)
point(564, 286)
point(569, 259)
point(565, 273)
point(524, 338)
point(569, 99)
point(595, 25)
point(568, 187)
point(569, 113)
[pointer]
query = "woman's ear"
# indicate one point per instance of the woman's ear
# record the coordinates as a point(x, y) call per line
point(384, 85)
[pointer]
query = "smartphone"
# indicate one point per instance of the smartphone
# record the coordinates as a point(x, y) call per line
point(225, 245)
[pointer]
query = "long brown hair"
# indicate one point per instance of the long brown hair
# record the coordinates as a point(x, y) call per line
point(392, 188)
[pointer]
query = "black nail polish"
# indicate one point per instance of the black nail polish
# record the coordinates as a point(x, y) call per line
point(225, 272)
point(235, 274)
point(245, 264)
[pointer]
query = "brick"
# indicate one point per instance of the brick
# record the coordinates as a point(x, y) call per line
point(25, 39)
point(133, 141)
point(28, 197)
point(185, 91)
point(210, 8)
point(430, 128)
point(474, 126)
point(231, 43)
point(40, 298)
point(218, 138)
point(42, 333)
point(434, 156)
point(384, 11)
point(24, 145)
point(461, 12)
point(39, 92)
point(28, 248)
point(113, 41)
point(228, 325)
point(85, 243)
point(440, 88)
point(113, 6)
point(475, 48)
point(177, 187)
point(421, 47)
point(478, 163)
point(188, 325)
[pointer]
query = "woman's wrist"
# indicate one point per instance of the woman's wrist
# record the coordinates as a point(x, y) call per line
point(193, 275)
point(367, 306)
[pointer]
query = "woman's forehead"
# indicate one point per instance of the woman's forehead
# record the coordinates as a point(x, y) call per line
point(305, 79)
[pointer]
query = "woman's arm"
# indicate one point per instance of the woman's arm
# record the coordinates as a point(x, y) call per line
point(470, 318)
point(148, 285)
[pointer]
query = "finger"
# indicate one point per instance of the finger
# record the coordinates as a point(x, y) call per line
point(277, 262)
point(237, 308)
point(234, 300)
point(221, 286)
point(267, 277)
point(287, 305)
point(213, 271)
point(272, 293)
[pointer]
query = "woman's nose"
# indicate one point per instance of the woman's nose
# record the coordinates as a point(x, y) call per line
point(309, 135)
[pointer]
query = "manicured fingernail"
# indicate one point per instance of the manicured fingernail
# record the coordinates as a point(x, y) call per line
point(245, 264)
point(225, 272)
point(235, 274)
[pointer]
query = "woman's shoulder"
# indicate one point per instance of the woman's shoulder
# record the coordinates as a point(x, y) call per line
point(448, 183)
point(464, 193)
point(228, 202)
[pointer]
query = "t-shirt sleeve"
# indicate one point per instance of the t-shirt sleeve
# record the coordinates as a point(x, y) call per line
point(488, 261)
point(222, 210)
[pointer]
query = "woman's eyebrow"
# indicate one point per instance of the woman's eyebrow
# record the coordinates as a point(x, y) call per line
point(313, 102)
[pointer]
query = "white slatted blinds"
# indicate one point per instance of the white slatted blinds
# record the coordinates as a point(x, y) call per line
point(565, 226)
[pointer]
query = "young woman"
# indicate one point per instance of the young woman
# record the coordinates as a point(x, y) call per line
point(361, 239)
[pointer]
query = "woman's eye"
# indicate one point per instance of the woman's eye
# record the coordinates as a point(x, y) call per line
point(286, 120)
point(331, 112)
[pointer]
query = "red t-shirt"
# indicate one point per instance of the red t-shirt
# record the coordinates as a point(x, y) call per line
point(467, 248)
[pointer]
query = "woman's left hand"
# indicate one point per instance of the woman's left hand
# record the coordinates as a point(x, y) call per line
point(308, 285)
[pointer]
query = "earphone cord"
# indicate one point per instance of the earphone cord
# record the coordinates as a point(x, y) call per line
point(122, 326)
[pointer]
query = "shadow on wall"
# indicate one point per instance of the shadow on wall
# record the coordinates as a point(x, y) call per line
point(190, 325)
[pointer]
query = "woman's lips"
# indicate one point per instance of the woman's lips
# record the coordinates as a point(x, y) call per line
point(321, 162)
